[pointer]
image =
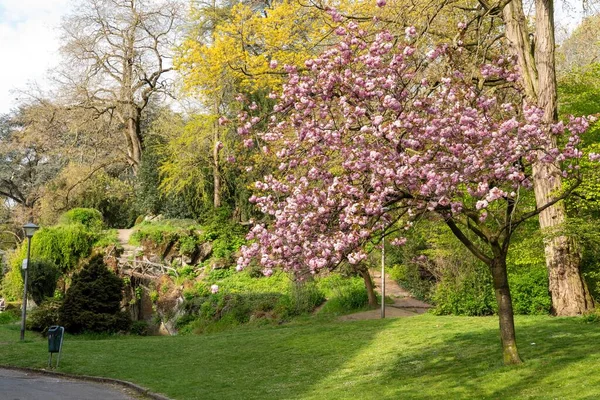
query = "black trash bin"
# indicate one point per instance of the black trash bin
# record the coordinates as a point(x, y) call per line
point(55, 339)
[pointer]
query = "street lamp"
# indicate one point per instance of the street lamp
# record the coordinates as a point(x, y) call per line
point(29, 229)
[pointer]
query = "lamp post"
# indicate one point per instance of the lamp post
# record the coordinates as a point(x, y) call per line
point(29, 229)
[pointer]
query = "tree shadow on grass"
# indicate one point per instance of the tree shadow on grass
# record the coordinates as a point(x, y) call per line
point(439, 362)
point(557, 354)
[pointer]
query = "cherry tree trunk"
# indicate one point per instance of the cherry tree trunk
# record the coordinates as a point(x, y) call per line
point(364, 273)
point(510, 354)
point(569, 292)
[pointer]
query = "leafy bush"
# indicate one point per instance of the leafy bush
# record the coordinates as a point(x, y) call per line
point(9, 316)
point(61, 245)
point(41, 280)
point(226, 235)
point(88, 217)
point(344, 295)
point(468, 292)
point(529, 291)
point(219, 274)
point(12, 282)
point(44, 316)
point(92, 303)
point(409, 276)
point(303, 298)
point(107, 238)
point(139, 328)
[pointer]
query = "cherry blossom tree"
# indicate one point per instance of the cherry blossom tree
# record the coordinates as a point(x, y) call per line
point(376, 133)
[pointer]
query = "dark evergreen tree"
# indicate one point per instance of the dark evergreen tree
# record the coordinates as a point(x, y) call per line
point(92, 303)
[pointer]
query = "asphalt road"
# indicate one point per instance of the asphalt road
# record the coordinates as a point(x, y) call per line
point(16, 385)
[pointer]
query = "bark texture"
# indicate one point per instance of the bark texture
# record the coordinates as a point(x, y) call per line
point(510, 354)
point(569, 292)
point(364, 273)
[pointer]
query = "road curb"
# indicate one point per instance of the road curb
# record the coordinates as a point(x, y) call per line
point(98, 379)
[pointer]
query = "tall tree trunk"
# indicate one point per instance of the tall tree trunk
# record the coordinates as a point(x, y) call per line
point(135, 135)
point(569, 292)
point(505, 310)
point(131, 113)
point(364, 273)
point(518, 37)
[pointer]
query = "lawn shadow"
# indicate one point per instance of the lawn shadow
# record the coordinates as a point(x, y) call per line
point(458, 365)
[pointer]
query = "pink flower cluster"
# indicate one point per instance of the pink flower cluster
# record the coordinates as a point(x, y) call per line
point(361, 137)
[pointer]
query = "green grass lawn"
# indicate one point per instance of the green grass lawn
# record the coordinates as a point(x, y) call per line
point(425, 357)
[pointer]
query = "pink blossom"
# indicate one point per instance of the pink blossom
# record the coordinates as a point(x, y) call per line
point(358, 132)
point(214, 289)
point(381, 3)
point(273, 64)
point(398, 241)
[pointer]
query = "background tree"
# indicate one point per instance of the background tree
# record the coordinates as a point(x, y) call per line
point(536, 59)
point(117, 57)
point(27, 157)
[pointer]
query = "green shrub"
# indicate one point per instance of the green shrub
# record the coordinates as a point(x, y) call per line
point(41, 280)
point(44, 316)
point(226, 235)
point(303, 298)
point(219, 274)
point(12, 282)
point(107, 238)
point(465, 292)
point(92, 303)
point(139, 328)
point(529, 290)
point(88, 217)
point(188, 245)
point(9, 316)
point(186, 272)
point(344, 295)
point(61, 245)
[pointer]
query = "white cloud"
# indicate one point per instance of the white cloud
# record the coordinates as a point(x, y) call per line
point(28, 44)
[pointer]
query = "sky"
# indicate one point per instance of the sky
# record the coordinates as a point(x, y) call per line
point(29, 41)
point(28, 44)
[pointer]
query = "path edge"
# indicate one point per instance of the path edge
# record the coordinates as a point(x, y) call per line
point(97, 379)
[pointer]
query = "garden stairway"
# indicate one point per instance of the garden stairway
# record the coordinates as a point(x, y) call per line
point(129, 264)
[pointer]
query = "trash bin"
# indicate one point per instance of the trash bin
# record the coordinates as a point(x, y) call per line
point(55, 337)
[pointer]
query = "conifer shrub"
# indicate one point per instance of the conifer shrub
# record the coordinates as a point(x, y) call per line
point(92, 303)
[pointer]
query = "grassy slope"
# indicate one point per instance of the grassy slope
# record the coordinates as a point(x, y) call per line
point(411, 358)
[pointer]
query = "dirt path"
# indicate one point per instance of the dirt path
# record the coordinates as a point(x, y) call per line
point(404, 304)
point(124, 235)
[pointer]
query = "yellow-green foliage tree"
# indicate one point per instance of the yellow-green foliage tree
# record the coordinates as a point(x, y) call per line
point(231, 50)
